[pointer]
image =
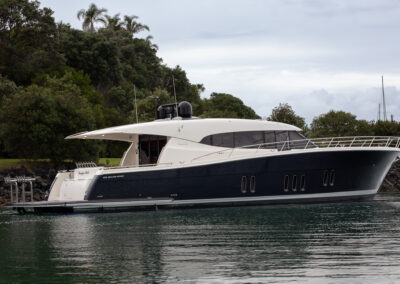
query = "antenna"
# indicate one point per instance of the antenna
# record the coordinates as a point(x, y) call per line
point(176, 104)
point(134, 91)
point(379, 112)
point(383, 102)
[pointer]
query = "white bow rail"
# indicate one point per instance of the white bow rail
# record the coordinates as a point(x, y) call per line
point(331, 142)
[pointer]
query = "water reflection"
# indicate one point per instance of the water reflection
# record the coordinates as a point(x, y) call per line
point(342, 242)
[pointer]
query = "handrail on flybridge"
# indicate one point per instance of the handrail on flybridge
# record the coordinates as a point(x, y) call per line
point(330, 142)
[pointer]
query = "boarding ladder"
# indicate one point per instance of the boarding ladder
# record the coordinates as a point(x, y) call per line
point(18, 186)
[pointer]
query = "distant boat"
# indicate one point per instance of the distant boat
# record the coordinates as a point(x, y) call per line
point(184, 161)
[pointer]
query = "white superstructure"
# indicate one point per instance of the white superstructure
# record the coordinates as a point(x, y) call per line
point(183, 136)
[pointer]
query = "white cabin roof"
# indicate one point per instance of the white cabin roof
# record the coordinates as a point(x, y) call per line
point(191, 129)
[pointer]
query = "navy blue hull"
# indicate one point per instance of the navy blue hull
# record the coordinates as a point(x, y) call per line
point(283, 175)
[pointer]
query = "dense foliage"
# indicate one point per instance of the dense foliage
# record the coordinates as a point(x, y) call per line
point(56, 81)
point(285, 113)
point(225, 105)
point(339, 123)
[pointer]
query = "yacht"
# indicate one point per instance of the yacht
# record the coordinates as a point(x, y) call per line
point(182, 161)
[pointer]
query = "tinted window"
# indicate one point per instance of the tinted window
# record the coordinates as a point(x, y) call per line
point(248, 138)
point(269, 137)
point(293, 135)
point(207, 140)
point(299, 140)
point(281, 136)
point(223, 140)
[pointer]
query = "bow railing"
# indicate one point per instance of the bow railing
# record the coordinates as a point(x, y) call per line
point(303, 144)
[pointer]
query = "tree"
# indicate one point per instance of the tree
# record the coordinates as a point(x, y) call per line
point(284, 113)
point(147, 106)
point(339, 123)
point(91, 16)
point(35, 121)
point(27, 40)
point(134, 27)
point(227, 106)
point(113, 23)
point(386, 128)
point(7, 89)
point(152, 45)
point(95, 54)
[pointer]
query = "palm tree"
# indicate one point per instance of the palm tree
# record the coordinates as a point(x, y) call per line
point(152, 45)
point(134, 27)
point(91, 16)
point(113, 23)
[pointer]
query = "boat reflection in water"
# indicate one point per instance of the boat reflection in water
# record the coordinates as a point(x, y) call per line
point(188, 162)
point(283, 243)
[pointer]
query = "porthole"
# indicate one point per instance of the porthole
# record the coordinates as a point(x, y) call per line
point(332, 178)
point(294, 183)
point(253, 184)
point(302, 183)
point(243, 185)
point(325, 178)
point(286, 183)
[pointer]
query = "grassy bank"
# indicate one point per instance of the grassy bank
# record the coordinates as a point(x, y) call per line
point(17, 163)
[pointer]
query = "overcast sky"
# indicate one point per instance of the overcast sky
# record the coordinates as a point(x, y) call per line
point(314, 55)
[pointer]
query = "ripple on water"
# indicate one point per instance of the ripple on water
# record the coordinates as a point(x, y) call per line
point(354, 242)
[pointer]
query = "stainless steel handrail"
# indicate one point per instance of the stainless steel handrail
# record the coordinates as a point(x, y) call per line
point(14, 189)
point(329, 142)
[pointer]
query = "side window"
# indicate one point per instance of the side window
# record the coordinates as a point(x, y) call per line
point(223, 140)
point(207, 140)
point(282, 138)
point(294, 135)
point(325, 179)
point(248, 138)
point(269, 137)
point(286, 183)
point(297, 141)
point(243, 184)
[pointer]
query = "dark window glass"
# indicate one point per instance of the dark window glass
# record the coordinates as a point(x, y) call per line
point(303, 183)
point(207, 140)
point(297, 141)
point(150, 147)
point(332, 178)
point(243, 184)
point(253, 184)
point(248, 138)
point(269, 139)
point(286, 183)
point(223, 140)
point(282, 139)
point(294, 183)
point(281, 136)
point(325, 179)
point(294, 135)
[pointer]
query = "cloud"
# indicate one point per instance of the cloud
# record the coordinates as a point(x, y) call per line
point(314, 55)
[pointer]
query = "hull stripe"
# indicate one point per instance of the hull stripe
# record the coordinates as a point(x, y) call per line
point(171, 202)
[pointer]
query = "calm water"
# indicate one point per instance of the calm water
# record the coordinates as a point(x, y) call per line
point(356, 242)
